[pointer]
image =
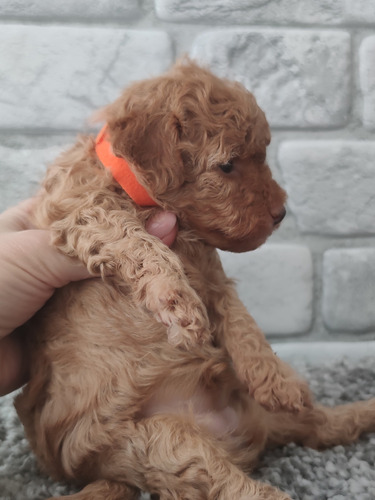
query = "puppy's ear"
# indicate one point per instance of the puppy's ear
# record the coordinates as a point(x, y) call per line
point(144, 130)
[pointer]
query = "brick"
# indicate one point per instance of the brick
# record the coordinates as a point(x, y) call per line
point(300, 78)
point(276, 285)
point(71, 9)
point(331, 185)
point(322, 353)
point(349, 289)
point(359, 11)
point(22, 169)
point(250, 11)
point(63, 73)
point(367, 80)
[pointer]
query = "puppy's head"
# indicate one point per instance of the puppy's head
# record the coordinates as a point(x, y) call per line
point(198, 144)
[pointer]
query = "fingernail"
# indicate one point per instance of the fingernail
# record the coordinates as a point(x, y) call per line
point(161, 221)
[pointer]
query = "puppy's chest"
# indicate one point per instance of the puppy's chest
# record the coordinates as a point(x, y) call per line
point(204, 272)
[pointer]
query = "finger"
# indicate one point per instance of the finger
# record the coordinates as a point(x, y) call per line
point(31, 269)
point(17, 218)
point(164, 226)
point(49, 264)
point(14, 367)
point(33, 252)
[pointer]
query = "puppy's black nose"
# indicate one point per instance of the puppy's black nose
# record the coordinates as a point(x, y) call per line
point(279, 217)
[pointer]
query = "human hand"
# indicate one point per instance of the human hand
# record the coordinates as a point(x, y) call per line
point(30, 271)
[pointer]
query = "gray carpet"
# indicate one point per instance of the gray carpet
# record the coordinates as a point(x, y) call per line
point(337, 474)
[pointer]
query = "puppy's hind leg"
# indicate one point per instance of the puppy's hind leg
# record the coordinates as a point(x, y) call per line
point(322, 427)
point(104, 490)
point(172, 457)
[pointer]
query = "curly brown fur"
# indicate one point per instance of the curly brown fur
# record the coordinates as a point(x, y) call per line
point(155, 376)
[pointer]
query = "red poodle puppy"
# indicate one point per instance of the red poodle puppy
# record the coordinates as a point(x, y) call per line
point(154, 376)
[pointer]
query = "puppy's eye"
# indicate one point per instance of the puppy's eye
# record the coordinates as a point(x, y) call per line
point(226, 167)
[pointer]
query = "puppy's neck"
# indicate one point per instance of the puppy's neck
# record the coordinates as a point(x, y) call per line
point(121, 171)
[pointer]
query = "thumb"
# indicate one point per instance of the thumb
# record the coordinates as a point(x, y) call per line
point(46, 262)
point(163, 224)
point(31, 269)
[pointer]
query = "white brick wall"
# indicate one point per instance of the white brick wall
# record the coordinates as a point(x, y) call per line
point(367, 80)
point(57, 10)
point(311, 64)
point(349, 289)
point(54, 76)
point(280, 276)
point(331, 185)
point(284, 70)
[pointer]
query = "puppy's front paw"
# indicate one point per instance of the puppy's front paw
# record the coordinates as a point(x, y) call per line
point(185, 318)
point(283, 393)
point(187, 337)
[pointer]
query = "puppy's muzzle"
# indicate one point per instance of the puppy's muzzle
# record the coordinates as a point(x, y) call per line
point(279, 217)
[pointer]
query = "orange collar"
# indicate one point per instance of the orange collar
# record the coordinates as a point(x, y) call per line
point(121, 171)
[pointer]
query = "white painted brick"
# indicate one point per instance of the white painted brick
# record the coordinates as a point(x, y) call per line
point(21, 171)
point(331, 185)
point(299, 77)
point(367, 79)
point(360, 11)
point(55, 76)
point(349, 289)
point(250, 11)
point(100, 9)
point(276, 285)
